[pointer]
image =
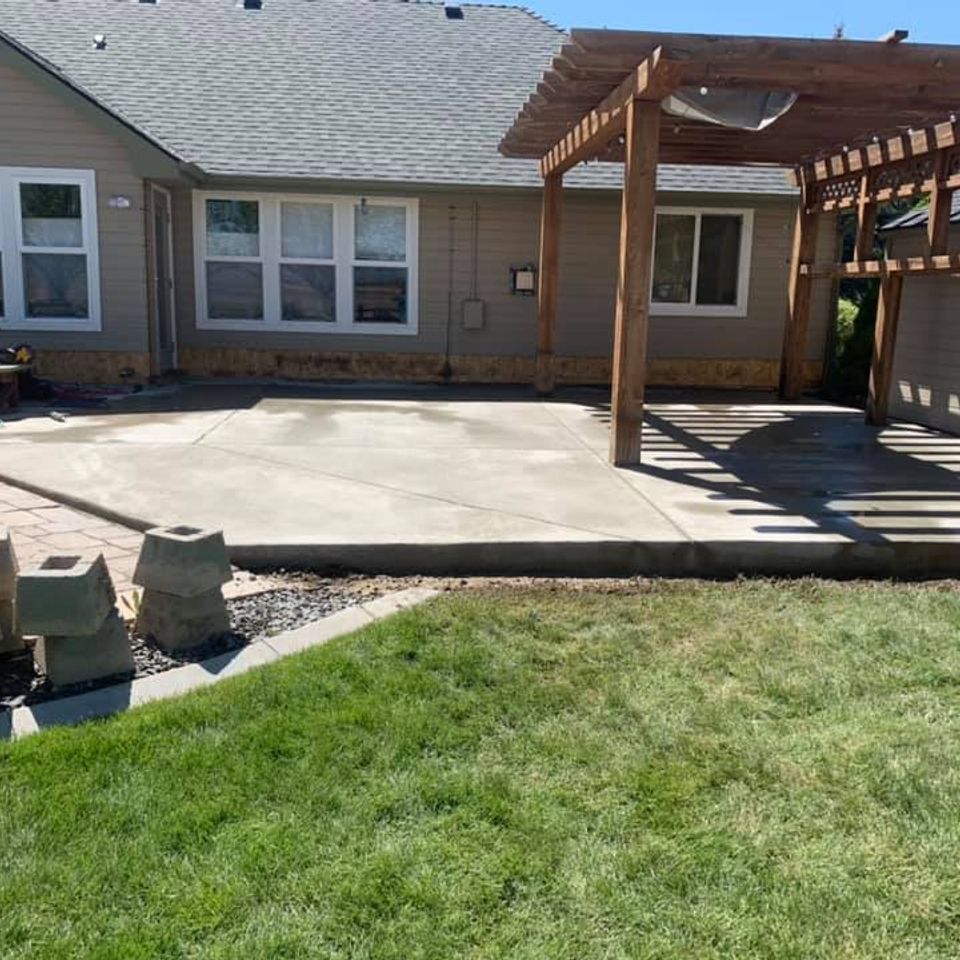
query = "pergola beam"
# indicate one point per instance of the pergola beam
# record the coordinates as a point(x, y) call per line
point(914, 143)
point(867, 269)
point(651, 81)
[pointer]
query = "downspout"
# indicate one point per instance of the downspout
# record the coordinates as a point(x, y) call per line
point(446, 371)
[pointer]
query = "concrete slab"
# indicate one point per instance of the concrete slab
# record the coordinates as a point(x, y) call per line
point(439, 480)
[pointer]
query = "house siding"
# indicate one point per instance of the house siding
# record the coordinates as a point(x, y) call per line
point(454, 247)
point(926, 368)
point(39, 129)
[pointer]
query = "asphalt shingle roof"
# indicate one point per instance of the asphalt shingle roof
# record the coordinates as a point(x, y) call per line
point(919, 218)
point(324, 89)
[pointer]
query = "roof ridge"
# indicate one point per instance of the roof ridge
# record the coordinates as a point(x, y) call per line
point(529, 11)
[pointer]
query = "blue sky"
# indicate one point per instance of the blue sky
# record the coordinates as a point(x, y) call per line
point(930, 22)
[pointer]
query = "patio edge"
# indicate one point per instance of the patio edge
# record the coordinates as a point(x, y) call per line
point(107, 701)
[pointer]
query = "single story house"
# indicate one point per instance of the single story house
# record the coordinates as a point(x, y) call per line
point(926, 365)
point(312, 188)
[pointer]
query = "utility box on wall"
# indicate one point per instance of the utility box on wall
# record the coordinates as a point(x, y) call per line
point(472, 314)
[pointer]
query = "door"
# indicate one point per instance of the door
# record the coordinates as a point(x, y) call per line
point(165, 321)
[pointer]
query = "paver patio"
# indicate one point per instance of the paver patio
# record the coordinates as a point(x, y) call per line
point(42, 527)
point(438, 480)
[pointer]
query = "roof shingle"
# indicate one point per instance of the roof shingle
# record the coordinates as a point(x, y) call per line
point(356, 90)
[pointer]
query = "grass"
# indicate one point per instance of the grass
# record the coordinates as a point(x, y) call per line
point(692, 771)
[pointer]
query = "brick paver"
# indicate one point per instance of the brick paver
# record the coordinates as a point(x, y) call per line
point(42, 528)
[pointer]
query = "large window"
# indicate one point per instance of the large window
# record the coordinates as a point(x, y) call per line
point(306, 263)
point(49, 276)
point(701, 261)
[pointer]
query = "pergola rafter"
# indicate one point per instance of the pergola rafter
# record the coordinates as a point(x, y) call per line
point(600, 100)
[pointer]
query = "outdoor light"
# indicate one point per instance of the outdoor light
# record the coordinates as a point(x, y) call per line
point(120, 202)
point(523, 280)
point(99, 41)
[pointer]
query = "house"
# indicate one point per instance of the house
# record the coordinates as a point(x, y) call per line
point(926, 365)
point(312, 188)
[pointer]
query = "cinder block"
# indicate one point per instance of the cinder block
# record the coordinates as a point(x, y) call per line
point(75, 659)
point(8, 566)
point(10, 639)
point(179, 623)
point(65, 597)
point(182, 561)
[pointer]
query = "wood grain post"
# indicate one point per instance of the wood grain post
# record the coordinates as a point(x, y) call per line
point(798, 303)
point(884, 345)
point(866, 222)
point(637, 222)
point(548, 289)
point(941, 201)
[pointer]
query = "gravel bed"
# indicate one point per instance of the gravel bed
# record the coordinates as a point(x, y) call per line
point(253, 617)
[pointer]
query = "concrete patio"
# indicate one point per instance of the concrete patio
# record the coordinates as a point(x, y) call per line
point(435, 480)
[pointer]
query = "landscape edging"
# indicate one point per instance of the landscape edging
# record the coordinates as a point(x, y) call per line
point(24, 721)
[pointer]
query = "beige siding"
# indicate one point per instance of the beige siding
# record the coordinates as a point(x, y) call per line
point(40, 129)
point(926, 369)
point(507, 233)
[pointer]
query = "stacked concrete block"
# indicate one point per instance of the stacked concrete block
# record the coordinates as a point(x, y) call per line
point(70, 604)
point(10, 640)
point(182, 571)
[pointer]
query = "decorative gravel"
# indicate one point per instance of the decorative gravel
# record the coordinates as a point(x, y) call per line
point(254, 617)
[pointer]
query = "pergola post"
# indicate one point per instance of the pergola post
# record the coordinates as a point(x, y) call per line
point(548, 289)
point(866, 221)
point(941, 202)
point(798, 301)
point(884, 344)
point(637, 221)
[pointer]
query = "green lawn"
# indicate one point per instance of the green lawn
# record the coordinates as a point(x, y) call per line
point(693, 771)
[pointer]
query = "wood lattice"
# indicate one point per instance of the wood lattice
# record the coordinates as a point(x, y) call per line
point(843, 191)
point(906, 178)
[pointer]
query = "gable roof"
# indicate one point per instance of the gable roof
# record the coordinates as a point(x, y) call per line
point(352, 90)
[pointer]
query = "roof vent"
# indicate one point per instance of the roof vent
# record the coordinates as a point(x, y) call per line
point(99, 41)
point(252, 4)
point(452, 11)
point(152, 3)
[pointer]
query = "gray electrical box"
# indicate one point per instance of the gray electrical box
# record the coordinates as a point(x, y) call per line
point(472, 314)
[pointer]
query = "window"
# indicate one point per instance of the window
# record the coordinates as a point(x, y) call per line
point(380, 245)
point(234, 273)
point(701, 262)
point(49, 275)
point(306, 263)
point(308, 272)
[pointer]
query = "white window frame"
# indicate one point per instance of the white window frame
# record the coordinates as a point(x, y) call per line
point(12, 248)
point(271, 258)
point(691, 308)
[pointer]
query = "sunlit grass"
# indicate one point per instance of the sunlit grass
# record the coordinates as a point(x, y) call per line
point(731, 770)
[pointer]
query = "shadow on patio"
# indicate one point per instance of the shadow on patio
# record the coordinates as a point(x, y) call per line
point(807, 470)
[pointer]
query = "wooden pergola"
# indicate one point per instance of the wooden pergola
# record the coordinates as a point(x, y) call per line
point(602, 100)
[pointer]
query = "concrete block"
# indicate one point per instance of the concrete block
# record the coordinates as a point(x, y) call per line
point(182, 561)
point(74, 659)
point(8, 566)
point(179, 623)
point(65, 597)
point(10, 639)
